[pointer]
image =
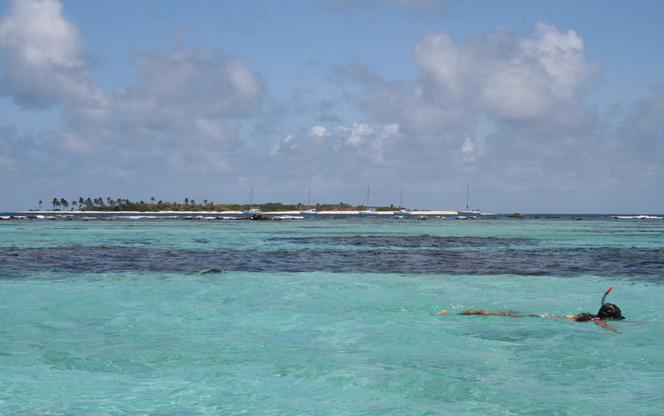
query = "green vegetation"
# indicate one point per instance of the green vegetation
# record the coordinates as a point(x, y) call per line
point(154, 205)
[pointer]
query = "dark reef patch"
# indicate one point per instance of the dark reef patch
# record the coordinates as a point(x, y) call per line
point(408, 241)
point(647, 263)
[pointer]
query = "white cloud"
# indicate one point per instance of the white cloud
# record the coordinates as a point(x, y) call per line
point(184, 102)
point(180, 98)
point(318, 131)
point(42, 57)
point(358, 141)
point(561, 54)
point(356, 134)
point(441, 60)
point(372, 139)
point(505, 111)
point(468, 146)
point(507, 76)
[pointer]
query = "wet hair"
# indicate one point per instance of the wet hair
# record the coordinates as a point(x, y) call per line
point(609, 311)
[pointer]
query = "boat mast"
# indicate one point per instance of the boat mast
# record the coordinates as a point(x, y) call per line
point(467, 191)
point(401, 199)
point(251, 198)
point(368, 195)
point(309, 198)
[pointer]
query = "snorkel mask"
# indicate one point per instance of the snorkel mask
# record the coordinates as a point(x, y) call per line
point(609, 310)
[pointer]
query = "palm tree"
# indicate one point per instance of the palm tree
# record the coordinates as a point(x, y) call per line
point(40, 204)
point(64, 203)
point(74, 202)
point(55, 203)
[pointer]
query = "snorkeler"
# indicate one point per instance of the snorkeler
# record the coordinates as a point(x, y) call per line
point(607, 312)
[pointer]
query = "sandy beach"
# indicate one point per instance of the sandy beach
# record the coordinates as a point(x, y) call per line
point(354, 212)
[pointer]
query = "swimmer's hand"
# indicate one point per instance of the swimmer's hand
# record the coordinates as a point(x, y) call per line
point(443, 312)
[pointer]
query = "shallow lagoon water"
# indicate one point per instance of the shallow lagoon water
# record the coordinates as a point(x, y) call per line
point(84, 341)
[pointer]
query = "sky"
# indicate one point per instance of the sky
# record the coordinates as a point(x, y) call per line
point(537, 106)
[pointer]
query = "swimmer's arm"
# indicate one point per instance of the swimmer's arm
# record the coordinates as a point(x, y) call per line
point(547, 316)
point(467, 312)
point(602, 324)
point(489, 313)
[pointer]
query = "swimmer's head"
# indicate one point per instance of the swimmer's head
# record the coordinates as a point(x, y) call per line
point(610, 311)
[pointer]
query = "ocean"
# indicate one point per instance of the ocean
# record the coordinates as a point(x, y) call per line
point(329, 317)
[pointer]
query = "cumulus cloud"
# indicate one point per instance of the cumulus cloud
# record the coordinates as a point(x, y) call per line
point(501, 80)
point(359, 148)
point(501, 91)
point(203, 81)
point(468, 146)
point(318, 131)
point(185, 104)
point(510, 113)
point(504, 75)
point(496, 93)
point(181, 98)
point(507, 112)
point(42, 56)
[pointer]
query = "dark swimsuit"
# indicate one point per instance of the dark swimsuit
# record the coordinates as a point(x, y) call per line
point(584, 316)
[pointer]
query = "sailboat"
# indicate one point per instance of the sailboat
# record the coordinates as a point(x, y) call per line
point(471, 213)
point(401, 213)
point(309, 211)
point(368, 211)
point(251, 211)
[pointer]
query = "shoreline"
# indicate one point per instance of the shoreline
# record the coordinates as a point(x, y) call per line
point(352, 212)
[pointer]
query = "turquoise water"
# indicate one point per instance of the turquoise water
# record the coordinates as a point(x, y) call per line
point(259, 337)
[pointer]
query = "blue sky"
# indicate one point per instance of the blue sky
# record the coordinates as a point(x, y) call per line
point(541, 107)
